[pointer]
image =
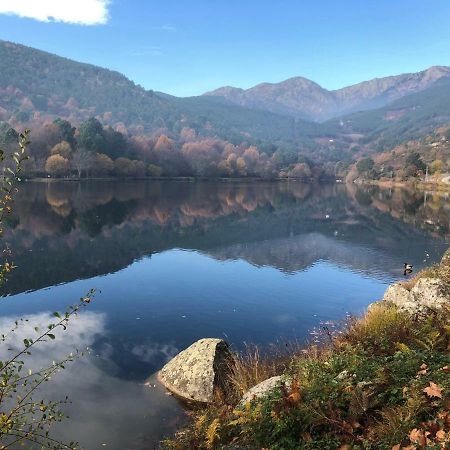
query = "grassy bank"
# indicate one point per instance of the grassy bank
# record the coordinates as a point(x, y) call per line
point(382, 382)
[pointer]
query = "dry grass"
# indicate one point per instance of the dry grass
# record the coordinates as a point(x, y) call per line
point(381, 324)
point(254, 365)
point(410, 283)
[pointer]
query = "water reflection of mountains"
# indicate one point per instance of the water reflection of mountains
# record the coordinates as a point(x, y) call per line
point(66, 231)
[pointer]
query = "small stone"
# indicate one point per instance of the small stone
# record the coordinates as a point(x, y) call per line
point(261, 389)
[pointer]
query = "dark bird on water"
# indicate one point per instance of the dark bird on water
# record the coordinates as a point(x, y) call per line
point(408, 269)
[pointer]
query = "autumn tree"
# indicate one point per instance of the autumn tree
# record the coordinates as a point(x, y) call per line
point(231, 162)
point(164, 144)
point(300, 170)
point(436, 166)
point(224, 168)
point(123, 167)
point(251, 156)
point(142, 146)
point(63, 149)
point(167, 156)
point(138, 168)
point(43, 140)
point(188, 134)
point(154, 171)
point(57, 165)
point(241, 166)
point(102, 164)
point(202, 156)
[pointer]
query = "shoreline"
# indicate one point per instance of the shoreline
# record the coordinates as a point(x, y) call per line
point(351, 389)
point(409, 184)
point(185, 179)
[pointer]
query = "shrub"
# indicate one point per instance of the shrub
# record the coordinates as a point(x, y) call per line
point(63, 149)
point(57, 165)
point(154, 170)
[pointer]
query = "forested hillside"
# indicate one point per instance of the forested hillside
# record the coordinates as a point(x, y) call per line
point(411, 117)
point(35, 86)
point(89, 121)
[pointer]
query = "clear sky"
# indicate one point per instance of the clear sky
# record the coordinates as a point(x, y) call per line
point(187, 47)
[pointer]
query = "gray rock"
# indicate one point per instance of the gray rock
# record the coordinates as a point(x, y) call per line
point(195, 373)
point(431, 293)
point(398, 295)
point(427, 293)
point(261, 389)
point(413, 307)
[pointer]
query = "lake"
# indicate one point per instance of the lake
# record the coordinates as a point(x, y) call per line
point(173, 262)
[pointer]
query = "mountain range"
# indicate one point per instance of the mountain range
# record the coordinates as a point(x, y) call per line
point(304, 98)
point(37, 86)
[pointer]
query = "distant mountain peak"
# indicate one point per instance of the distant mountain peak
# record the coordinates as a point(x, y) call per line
point(301, 97)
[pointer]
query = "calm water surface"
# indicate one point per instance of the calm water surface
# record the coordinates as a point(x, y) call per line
point(173, 262)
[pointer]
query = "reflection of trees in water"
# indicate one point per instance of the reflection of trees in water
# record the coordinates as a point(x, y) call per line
point(92, 205)
point(430, 212)
point(76, 230)
point(43, 209)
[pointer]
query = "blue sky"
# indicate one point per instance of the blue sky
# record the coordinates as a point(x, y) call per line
point(187, 47)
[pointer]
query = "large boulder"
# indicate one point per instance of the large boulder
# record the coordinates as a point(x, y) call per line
point(431, 293)
point(262, 389)
point(195, 373)
point(398, 295)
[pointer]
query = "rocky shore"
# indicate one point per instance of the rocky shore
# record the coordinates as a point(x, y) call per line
point(411, 322)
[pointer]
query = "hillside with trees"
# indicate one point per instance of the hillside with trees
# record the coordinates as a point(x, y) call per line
point(426, 159)
point(411, 117)
point(87, 121)
point(59, 149)
point(43, 87)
